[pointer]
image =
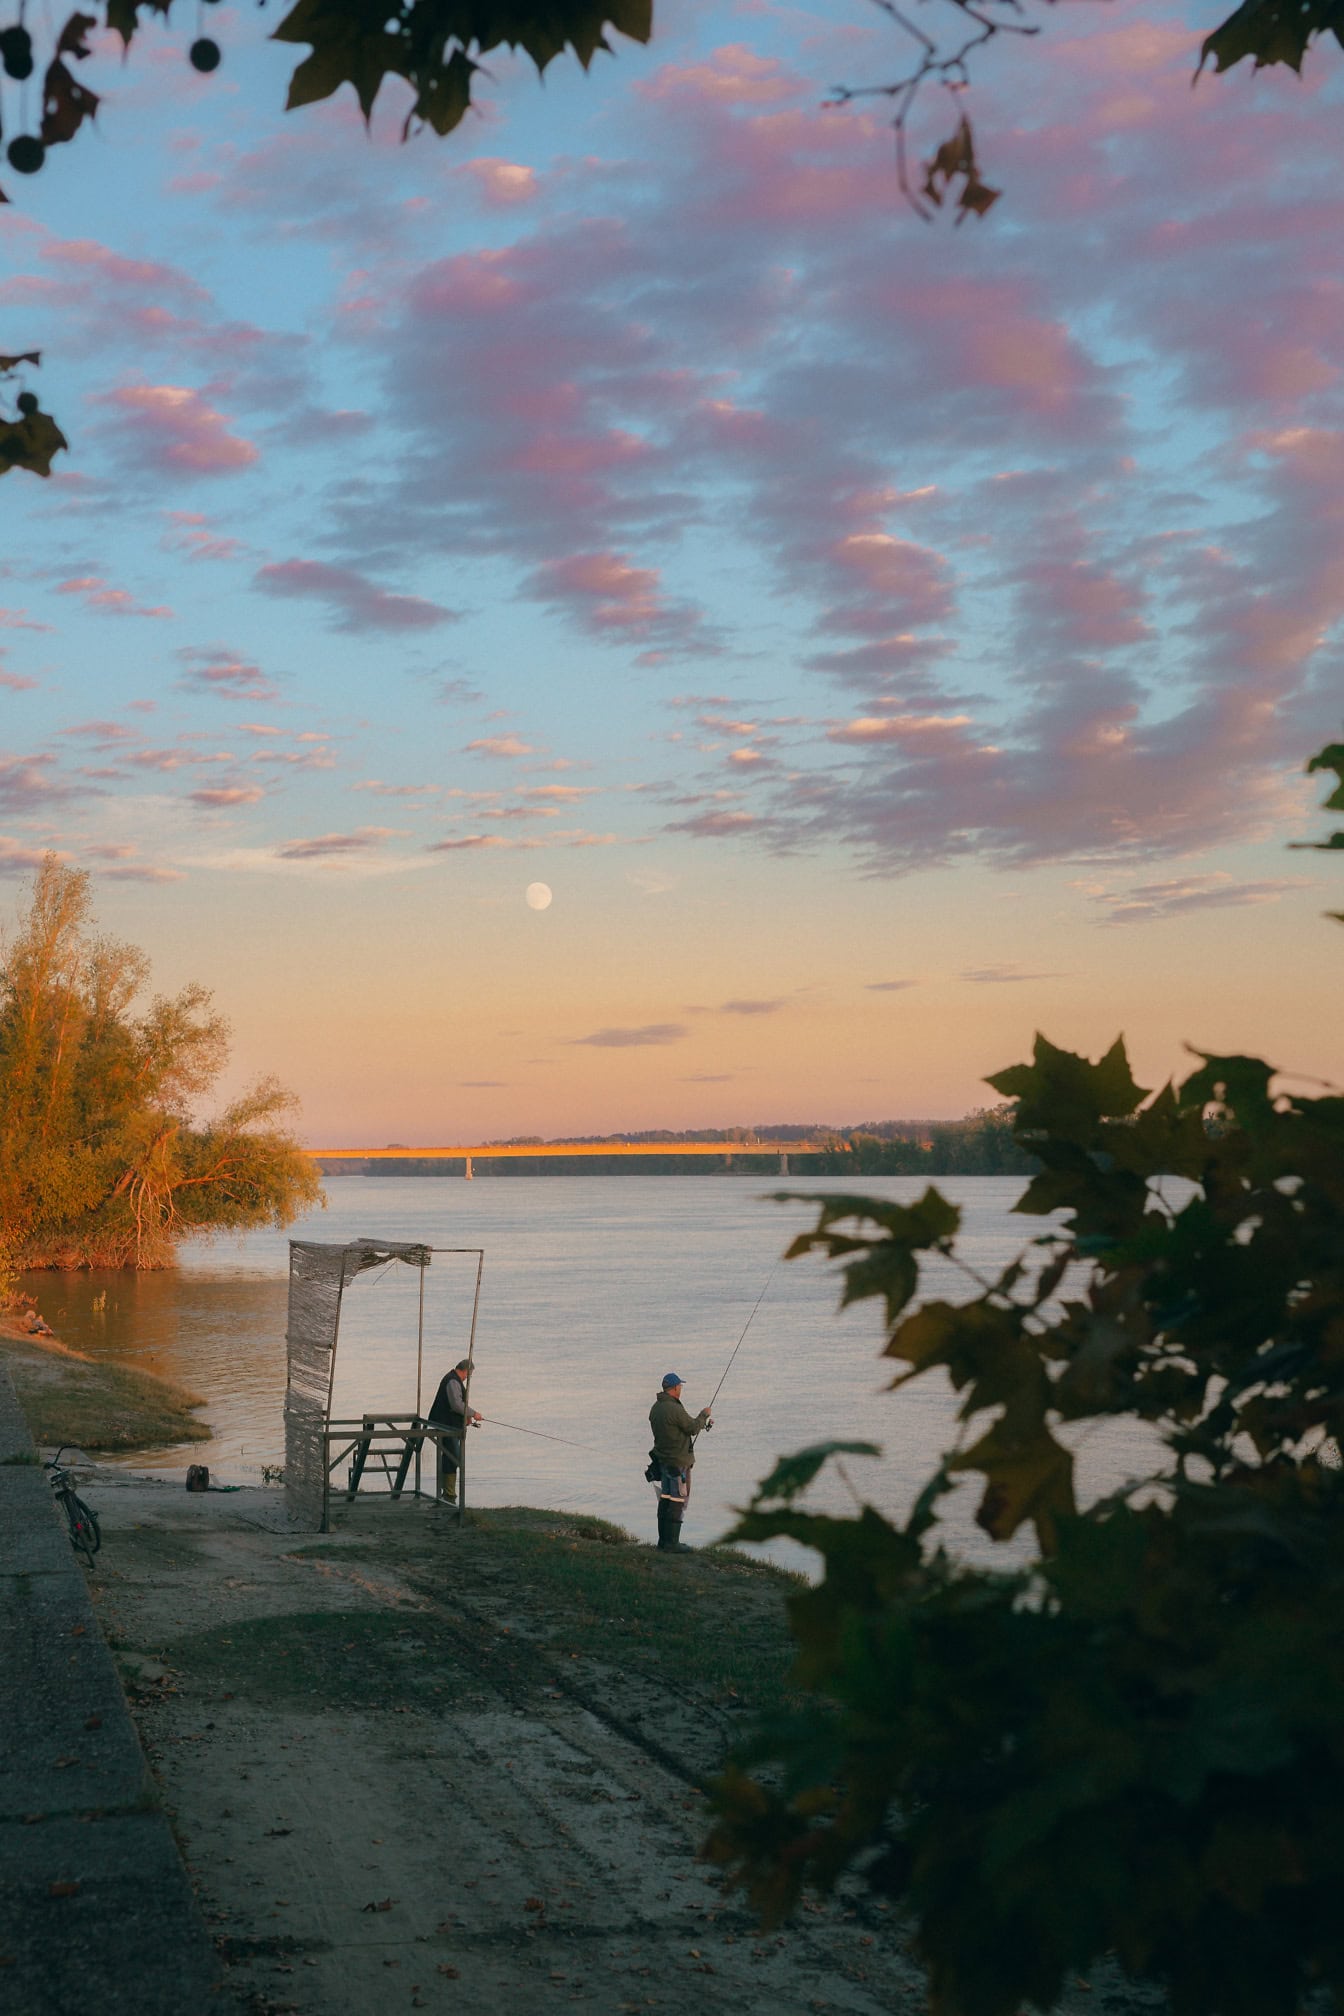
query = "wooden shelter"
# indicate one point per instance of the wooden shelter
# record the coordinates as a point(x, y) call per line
point(388, 1446)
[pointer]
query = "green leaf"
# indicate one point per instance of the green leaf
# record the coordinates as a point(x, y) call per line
point(1241, 1084)
point(885, 1264)
point(1331, 758)
point(30, 443)
point(1271, 31)
point(1028, 1476)
point(123, 16)
point(444, 101)
point(429, 43)
point(793, 1474)
point(1062, 1094)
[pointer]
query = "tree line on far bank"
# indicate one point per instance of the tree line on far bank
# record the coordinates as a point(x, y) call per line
point(980, 1144)
point(103, 1160)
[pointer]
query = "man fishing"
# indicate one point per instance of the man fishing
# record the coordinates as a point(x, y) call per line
point(674, 1433)
point(450, 1411)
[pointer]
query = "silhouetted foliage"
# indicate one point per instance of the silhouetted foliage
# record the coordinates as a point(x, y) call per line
point(101, 1163)
point(28, 437)
point(1135, 1744)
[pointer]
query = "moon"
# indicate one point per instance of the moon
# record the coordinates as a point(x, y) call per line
point(538, 896)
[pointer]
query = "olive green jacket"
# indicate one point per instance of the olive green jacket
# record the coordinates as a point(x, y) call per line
point(674, 1431)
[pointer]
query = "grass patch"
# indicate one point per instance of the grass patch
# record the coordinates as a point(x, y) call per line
point(326, 1658)
point(89, 1405)
point(712, 1621)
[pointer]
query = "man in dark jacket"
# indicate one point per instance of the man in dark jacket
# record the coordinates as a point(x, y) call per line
point(450, 1410)
point(674, 1433)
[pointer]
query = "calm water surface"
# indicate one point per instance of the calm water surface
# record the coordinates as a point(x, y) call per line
point(592, 1289)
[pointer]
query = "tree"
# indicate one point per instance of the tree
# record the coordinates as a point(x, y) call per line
point(435, 47)
point(1135, 1743)
point(101, 1163)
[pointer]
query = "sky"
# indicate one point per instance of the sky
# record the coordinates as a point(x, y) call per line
point(883, 639)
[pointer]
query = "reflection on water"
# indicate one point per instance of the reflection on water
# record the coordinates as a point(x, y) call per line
point(593, 1288)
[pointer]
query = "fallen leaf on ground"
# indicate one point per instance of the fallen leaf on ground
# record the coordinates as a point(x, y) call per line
point(385, 1904)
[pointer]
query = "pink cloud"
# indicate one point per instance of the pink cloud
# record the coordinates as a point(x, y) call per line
point(500, 745)
point(502, 184)
point(94, 592)
point(29, 781)
point(324, 846)
point(110, 270)
point(190, 532)
point(178, 757)
point(16, 682)
point(230, 677)
point(468, 842)
point(225, 796)
point(142, 872)
point(717, 825)
point(17, 858)
point(733, 75)
point(173, 430)
point(1143, 902)
point(722, 724)
point(649, 1034)
point(900, 728)
point(357, 603)
point(382, 790)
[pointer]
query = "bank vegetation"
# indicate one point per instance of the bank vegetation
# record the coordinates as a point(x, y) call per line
point(104, 1161)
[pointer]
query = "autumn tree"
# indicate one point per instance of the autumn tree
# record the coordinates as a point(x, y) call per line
point(1134, 1743)
point(102, 1162)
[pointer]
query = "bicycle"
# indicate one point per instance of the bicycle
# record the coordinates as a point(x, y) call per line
point(81, 1518)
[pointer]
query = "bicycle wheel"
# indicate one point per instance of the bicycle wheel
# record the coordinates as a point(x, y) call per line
point(84, 1529)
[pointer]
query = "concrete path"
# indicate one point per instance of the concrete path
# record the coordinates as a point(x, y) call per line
point(96, 1912)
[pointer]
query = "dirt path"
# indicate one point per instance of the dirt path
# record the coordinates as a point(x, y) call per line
point(398, 1785)
point(389, 1803)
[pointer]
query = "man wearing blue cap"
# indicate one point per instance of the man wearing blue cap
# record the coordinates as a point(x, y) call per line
point(674, 1433)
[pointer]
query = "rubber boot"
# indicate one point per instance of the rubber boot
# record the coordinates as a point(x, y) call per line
point(669, 1532)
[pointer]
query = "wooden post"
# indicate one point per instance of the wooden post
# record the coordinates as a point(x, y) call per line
point(466, 1395)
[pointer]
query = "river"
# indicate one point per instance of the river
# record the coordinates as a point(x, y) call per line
point(592, 1289)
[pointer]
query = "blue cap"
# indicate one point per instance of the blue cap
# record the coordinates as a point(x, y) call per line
point(672, 1379)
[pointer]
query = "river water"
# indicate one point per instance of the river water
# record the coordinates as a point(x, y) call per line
point(592, 1288)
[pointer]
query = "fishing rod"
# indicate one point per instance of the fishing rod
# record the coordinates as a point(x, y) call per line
point(741, 1340)
point(541, 1437)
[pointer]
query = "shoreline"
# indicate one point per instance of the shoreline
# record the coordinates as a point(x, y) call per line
point(71, 1399)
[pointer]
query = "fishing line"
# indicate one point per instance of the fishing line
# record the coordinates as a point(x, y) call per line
point(541, 1437)
point(738, 1346)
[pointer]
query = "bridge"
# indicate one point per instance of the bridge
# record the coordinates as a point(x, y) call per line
point(503, 1150)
